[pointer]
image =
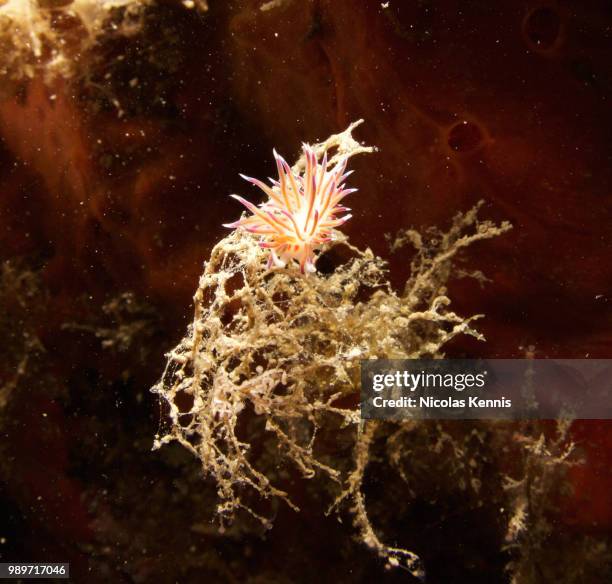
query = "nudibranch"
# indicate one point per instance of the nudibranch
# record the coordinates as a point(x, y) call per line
point(301, 210)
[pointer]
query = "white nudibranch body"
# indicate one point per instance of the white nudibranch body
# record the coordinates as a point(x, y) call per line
point(300, 212)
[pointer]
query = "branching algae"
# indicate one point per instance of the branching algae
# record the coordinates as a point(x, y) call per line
point(282, 348)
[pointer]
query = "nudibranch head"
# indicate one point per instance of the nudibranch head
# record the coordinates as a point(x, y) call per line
point(301, 210)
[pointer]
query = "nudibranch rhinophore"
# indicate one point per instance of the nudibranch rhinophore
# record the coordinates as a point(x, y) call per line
point(301, 210)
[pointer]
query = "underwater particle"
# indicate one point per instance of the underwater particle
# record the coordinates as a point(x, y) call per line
point(301, 210)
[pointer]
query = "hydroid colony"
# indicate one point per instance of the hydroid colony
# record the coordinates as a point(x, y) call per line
point(279, 353)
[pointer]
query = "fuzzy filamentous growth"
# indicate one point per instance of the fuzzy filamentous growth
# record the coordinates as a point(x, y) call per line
point(52, 39)
point(268, 371)
point(31, 42)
